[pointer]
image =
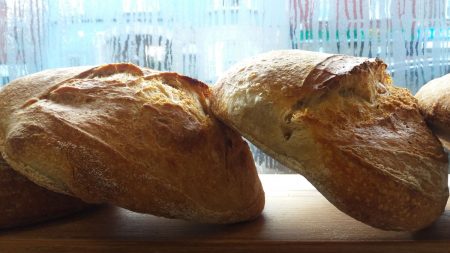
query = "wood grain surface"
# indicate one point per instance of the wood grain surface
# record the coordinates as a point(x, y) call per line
point(296, 218)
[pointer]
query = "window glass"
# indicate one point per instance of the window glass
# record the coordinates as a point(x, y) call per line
point(203, 38)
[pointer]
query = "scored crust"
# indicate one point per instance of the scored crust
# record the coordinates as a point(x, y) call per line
point(338, 121)
point(434, 103)
point(22, 202)
point(141, 140)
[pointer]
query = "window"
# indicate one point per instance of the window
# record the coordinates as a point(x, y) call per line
point(203, 38)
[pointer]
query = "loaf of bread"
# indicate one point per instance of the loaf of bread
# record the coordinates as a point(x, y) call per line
point(434, 103)
point(22, 202)
point(131, 137)
point(339, 121)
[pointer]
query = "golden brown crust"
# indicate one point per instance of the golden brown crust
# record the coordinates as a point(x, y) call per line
point(338, 121)
point(143, 141)
point(434, 103)
point(22, 202)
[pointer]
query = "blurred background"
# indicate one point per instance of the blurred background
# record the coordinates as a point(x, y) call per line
point(203, 38)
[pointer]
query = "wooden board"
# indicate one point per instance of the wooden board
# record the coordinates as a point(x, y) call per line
point(296, 218)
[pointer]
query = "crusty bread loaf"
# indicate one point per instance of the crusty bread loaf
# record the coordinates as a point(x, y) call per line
point(338, 121)
point(434, 103)
point(134, 138)
point(23, 202)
